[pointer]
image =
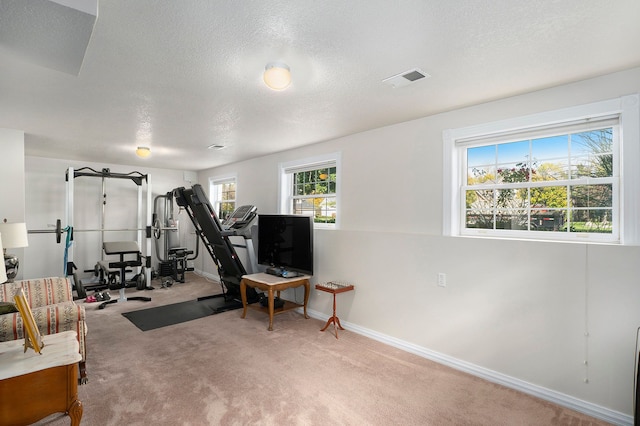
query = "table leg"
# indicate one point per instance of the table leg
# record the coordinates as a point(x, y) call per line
point(334, 305)
point(83, 373)
point(75, 412)
point(329, 321)
point(306, 297)
point(339, 325)
point(336, 323)
point(334, 319)
point(243, 296)
point(270, 309)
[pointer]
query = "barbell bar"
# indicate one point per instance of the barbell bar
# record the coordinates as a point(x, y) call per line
point(155, 229)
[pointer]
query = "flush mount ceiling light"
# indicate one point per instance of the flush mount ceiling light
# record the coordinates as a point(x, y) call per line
point(277, 75)
point(143, 151)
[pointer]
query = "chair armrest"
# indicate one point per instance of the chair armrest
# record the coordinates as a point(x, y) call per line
point(51, 319)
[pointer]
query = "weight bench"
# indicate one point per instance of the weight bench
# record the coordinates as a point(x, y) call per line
point(123, 249)
point(107, 275)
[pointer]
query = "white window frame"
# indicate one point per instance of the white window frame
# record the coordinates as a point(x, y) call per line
point(628, 209)
point(285, 202)
point(213, 195)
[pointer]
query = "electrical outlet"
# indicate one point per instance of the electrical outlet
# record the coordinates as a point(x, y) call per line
point(442, 279)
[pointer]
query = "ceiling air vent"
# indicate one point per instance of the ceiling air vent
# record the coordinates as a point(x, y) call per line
point(406, 78)
point(216, 147)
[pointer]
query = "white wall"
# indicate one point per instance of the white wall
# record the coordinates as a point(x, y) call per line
point(530, 312)
point(12, 174)
point(12, 208)
point(46, 202)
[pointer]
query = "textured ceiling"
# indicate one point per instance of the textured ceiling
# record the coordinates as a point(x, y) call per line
point(181, 75)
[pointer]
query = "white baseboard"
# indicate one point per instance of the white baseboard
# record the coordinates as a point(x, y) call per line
point(212, 277)
point(602, 413)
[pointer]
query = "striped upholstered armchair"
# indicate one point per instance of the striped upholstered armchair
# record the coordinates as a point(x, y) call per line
point(51, 300)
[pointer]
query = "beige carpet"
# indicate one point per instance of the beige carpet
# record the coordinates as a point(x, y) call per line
point(224, 370)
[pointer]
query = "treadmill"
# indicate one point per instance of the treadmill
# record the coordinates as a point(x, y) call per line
point(216, 240)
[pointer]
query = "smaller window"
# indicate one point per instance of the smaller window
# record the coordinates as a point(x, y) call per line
point(310, 187)
point(223, 196)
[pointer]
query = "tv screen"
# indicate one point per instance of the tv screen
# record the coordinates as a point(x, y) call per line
point(286, 242)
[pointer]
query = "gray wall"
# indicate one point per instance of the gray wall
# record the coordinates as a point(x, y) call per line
point(527, 312)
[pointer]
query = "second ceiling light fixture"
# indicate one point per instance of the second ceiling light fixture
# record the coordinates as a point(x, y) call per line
point(277, 75)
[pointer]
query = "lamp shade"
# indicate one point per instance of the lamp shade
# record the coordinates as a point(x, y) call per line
point(3, 272)
point(143, 151)
point(277, 75)
point(14, 235)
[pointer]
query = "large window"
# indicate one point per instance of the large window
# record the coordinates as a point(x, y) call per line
point(559, 179)
point(311, 187)
point(223, 196)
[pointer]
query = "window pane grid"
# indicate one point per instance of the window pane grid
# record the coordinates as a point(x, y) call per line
point(314, 193)
point(224, 198)
point(322, 209)
point(542, 184)
point(562, 183)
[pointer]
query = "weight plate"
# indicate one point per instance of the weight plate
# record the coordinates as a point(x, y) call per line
point(58, 231)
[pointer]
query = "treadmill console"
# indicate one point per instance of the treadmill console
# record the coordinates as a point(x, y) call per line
point(241, 216)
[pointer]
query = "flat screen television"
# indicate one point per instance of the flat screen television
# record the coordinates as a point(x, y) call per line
point(285, 244)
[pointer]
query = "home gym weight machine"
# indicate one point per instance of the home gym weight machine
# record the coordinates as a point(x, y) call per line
point(143, 278)
point(172, 256)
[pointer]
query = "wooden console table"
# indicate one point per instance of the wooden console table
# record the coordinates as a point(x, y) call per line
point(271, 284)
point(33, 386)
point(334, 289)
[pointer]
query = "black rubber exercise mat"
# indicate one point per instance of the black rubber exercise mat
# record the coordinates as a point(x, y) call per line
point(163, 316)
